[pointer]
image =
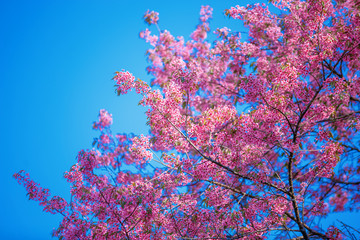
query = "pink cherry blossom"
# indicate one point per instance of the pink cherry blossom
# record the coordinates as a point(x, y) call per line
point(151, 17)
point(105, 120)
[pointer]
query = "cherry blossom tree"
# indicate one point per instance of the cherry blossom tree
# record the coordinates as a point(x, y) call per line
point(248, 138)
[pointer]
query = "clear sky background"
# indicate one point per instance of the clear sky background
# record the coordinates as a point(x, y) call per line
point(56, 64)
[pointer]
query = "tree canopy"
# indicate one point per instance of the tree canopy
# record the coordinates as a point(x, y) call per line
point(248, 138)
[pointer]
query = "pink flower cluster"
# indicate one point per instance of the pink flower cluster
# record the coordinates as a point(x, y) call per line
point(105, 120)
point(35, 192)
point(139, 149)
point(124, 82)
point(328, 160)
point(151, 17)
point(205, 13)
point(152, 39)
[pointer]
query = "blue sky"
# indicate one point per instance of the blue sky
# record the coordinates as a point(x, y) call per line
point(56, 64)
